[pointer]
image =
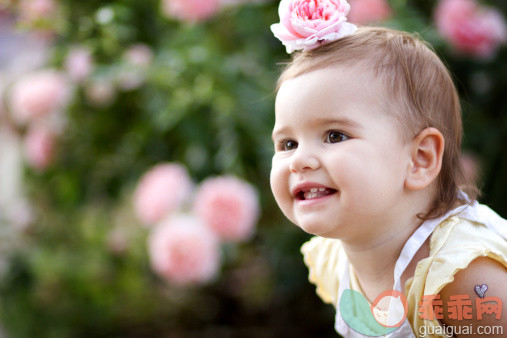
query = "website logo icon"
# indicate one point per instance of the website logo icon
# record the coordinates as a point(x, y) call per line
point(383, 316)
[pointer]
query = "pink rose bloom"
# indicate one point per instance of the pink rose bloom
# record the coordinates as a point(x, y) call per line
point(470, 28)
point(184, 251)
point(229, 206)
point(34, 10)
point(190, 10)
point(39, 146)
point(160, 191)
point(139, 55)
point(363, 12)
point(306, 24)
point(79, 64)
point(38, 94)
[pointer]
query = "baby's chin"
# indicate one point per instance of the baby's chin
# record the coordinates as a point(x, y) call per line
point(312, 225)
point(318, 229)
point(308, 227)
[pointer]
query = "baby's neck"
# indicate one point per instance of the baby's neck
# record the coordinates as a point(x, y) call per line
point(373, 259)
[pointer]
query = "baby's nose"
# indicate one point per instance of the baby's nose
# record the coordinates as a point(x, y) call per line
point(303, 159)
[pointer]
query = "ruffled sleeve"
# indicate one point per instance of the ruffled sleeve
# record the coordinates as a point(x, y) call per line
point(473, 240)
point(455, 243)
point(324, 258)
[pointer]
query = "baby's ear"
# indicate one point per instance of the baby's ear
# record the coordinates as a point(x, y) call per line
point(426, 159)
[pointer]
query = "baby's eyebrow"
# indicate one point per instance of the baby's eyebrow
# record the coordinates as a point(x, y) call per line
point(277, 132)
point(319, 121)
point(342, 120)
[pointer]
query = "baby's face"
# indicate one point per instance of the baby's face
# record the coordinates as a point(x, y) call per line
point(339, 165)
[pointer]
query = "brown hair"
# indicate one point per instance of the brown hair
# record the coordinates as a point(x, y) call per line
point(419, 93)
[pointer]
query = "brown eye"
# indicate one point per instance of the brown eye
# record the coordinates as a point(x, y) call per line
point(289, 145)
point(336, 136)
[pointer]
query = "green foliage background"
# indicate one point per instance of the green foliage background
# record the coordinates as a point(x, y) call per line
point(208, 103)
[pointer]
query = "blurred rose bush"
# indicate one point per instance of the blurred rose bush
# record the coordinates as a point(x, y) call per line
point(471, 28)
point(184, 245)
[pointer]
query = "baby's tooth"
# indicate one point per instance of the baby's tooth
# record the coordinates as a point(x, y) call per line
point(314, 189)
point(309, 195)
point(322, 189)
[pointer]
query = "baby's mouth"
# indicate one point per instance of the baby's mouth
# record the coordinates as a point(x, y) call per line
point(308, 194)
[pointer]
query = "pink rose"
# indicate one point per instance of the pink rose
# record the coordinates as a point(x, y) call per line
point(183, 251)
point(363, 12)
point(306, 24)
point(471, 29)
point(34, 10)
point(39, 146)
point(229, 206)
point(38, 94)
point(79, 64)
point(160, 191)
point(190, 10)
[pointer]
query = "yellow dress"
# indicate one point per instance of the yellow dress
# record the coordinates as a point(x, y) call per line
point(454, 243)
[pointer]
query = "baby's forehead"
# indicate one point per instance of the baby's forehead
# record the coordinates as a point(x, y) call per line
point(338, 85)
point(330, 93)
point(336, 90)
point(361, 78)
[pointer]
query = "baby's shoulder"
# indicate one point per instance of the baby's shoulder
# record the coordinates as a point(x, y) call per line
point(457, 235)
point(455, 244)
point(472, 262)
point(460, 251)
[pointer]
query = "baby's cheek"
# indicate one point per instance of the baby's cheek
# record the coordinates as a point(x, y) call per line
point(273, 178)
point(284, 202)
point(279, 184)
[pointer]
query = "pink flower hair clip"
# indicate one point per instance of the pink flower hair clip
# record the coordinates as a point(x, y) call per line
point(306, 24)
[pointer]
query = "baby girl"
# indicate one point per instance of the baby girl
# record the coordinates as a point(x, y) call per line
point(367, 158)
